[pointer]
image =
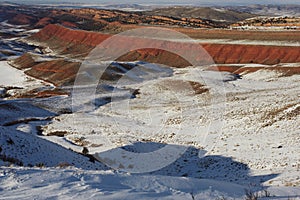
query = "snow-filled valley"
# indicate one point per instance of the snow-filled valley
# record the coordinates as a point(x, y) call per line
point(157, 132)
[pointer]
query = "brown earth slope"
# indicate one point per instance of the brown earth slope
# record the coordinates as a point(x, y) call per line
point(201, 12)
point(95, 19)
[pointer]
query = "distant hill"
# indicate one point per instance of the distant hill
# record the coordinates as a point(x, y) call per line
point(269, 10)
point(215, 14)
point(127, 7)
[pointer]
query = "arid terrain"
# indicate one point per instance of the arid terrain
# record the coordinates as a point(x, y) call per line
point(211, 114)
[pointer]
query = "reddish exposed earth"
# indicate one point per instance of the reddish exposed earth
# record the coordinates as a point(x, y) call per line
point(41, 94)
point(78, 43)
point(21, 19)
point(24, 62)
point(58, 72)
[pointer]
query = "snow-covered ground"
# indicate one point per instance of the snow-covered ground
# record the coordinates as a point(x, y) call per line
point(249, 42)
point(251, 134)
point(11, 45)
point(244, 42)
point(14, 81)
point(73, 183)
point(13, 77)
point(184, 134)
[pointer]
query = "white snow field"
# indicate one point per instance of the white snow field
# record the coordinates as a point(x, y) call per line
point(80, 184)
point(193, 134)
point(251, 135)
point(14, 81)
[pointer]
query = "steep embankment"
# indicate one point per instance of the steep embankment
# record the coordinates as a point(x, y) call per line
point(58, 71)
point(77, 43)
point(67, 41)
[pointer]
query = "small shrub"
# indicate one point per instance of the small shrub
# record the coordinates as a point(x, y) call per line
point(41, 165)
point(266, 193)
point(58, 133)
point(10, 141)
point(250, 195)
point(192, 195)
point(11, 160)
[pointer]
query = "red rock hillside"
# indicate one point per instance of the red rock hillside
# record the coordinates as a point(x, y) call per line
point(79, 43)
